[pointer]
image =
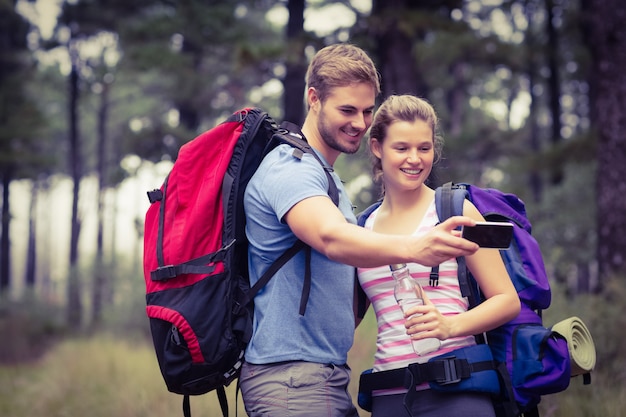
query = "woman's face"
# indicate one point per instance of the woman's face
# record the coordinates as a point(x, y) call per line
point(407, 154)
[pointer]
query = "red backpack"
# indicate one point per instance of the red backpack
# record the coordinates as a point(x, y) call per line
point(198, 295)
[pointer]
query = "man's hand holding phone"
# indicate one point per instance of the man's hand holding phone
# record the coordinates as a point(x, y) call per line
point(496, 235)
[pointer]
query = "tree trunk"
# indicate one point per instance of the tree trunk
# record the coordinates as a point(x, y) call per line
point(44, 257)
point(295, 63)
point(606, 36)
point(5, 252)
point(534, 177)
point(31, 249)
point(456, 99)
point(74, 305)
point(99, 279)
point(554, 85)
point(396, 62)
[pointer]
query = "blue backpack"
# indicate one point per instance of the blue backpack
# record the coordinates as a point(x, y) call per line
point(529, 359)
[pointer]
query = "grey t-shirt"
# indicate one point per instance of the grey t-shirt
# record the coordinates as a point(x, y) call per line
point(325, 333)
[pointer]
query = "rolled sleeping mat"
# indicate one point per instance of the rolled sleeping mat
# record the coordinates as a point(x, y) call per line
point(580, 344)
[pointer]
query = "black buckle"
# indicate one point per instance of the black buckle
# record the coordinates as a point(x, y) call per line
point(155, 195)
point(163, 273)
point(434, 277)
point(237, 308)
point(453, 370)
point(413, 375)
point(443, 371)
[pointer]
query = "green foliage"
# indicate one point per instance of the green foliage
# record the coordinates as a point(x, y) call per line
point(126, 316)
point(29, 327)
point(356, 171)
point(205, 59)
point(605, 316)
point(20, 118)
point(564, 222)
point(13, 31)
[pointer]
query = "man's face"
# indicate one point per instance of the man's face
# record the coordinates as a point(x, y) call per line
point(345, 116)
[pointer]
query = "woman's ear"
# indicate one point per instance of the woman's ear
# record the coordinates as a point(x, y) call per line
point(375, 146)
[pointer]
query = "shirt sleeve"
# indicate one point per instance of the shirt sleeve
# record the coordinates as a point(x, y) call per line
point(289, 180)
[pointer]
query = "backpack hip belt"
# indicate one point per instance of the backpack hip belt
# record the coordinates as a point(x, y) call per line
point(469, 368)
point(442, 371)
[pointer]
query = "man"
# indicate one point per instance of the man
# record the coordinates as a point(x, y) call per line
point(296, 364)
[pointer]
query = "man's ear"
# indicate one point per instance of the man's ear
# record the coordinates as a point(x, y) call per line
point(313, 99)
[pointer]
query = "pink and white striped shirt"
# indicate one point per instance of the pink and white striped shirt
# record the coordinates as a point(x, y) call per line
point(393, 345)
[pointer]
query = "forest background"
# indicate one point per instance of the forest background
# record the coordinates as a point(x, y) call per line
point(97, 96)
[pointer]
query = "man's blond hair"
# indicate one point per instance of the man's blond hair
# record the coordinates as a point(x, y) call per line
point(340, 65)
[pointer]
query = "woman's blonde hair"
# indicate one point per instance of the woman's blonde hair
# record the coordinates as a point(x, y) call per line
point(407, 108)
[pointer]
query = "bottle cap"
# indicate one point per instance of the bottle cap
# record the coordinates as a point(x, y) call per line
point(395, 267)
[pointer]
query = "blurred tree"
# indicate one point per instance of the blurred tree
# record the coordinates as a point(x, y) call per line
point(554, 84)
point(74, 285)
point(99, 275)
point(205, 59)
point(182, 66)
point(48, 88)
point(21, 152)
point(532, 69)
point(606, 37)
point(295, 64)
point(509, 83)
point(398, 26)
point(189, 63)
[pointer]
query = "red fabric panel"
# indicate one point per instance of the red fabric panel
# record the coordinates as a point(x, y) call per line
point(183, 327)
point(194, 215)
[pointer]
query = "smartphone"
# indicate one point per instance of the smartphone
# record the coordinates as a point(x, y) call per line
point(497, 235)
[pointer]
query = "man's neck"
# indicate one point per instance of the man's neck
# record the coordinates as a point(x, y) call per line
point(312, 135)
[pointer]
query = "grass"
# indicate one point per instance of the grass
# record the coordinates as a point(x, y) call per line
point(99, 377)
point(106, 375)
point(602, 398)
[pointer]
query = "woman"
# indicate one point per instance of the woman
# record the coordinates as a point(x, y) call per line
point(404, 146)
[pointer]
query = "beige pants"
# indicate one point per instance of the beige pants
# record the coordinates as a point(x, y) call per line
point(296, 389)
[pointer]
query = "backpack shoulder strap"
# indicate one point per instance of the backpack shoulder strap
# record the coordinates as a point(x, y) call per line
point(449, 200)
point(291, 134)
point(361, 297)
point(361, 218)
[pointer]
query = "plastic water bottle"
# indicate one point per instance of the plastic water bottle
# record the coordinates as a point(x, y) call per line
point(408, 293)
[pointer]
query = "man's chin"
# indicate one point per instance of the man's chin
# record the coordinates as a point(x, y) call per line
point(352, 145)
point(350, 148)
